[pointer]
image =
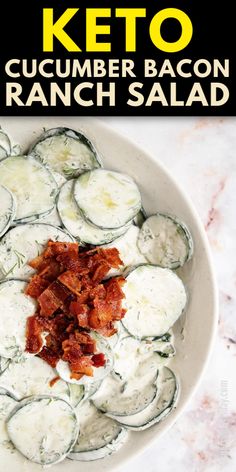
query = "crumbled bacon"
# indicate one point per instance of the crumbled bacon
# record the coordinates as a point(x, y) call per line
point(73, 299)
point(34, 340)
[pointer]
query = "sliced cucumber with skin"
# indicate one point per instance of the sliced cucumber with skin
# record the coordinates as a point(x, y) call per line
point(140, 218)
point(7, 404)
point(116, 397)
point(77, 393)
point(32, 376)
point(16, 307)
point(90, 390)
point(159, 408)
point(22, 244)
point(3, 152)
point(44, 429)
point(162, 347)
point(75, 223)
point(165, 241)
point(5, 145)
point(132, 385)
point(3, 391)
point(128, 251)
point(65, 151)
point(7, 209)
point(107, 199)
point(4, 364)
point(99, 436)
point(154, 300)
point(31, 183)
point(51, 218)
point(133, 357)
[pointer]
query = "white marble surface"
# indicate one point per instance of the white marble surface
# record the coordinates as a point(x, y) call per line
point(201, 154)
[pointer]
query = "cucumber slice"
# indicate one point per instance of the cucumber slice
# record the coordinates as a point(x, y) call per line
point(132, 386)
point(165, 241)
point(154, 299)
point(77, 393)
point(5, 145)
point(161, 346)
point(4, 364)
point(3, 153)
point(116, 397)
point(159, 408)
point(51, 218)
point(3, 391)
point(91, 389)
point(99, 436)
point(128, 251)
point(140, 218)
point(133, 359)
point(15, 309)
point(22, 244)
point(44, 429)
point(7, 209)
point(107, 199)
point(31, 183)
point(7, 404)
point(75, 223)
point(32, 376)
point(99, 373)
point(113, 340)
point(66, 151)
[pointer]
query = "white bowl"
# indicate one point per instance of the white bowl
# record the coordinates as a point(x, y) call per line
point(160, 192)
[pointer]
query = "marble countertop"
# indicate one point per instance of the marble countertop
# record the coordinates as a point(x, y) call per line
point(201, 154)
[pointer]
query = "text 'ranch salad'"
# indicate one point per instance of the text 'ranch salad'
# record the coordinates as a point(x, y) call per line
point(88, 294)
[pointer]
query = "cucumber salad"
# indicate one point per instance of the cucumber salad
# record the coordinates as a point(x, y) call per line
point(58, 190)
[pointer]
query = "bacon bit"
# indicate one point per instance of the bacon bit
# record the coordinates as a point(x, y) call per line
point(71, 281)
point(51, 271)
point(99, 360)
point(53, 381)
point(100, 272)
point(36, 286)
point(56, 248)
point(38, 263)
point(73, 298)
point(34, 340)
point(49, 356)
point(48, 303)
point(83, 366)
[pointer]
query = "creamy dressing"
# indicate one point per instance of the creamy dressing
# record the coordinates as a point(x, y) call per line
point(43, 430)
point(159, 407)
point(155, 298)
point(165, 241)
point(16, 307)
point(128, 251)
point(32, 376)
point(5, 145)
point(7, 209)
point(31, 183)
point(6, 406)
point(96, 429)
point(52, 218)
point(22, 244)
point(132, 385)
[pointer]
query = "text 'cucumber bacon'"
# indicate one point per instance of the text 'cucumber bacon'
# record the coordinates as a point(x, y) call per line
point(73, 302)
